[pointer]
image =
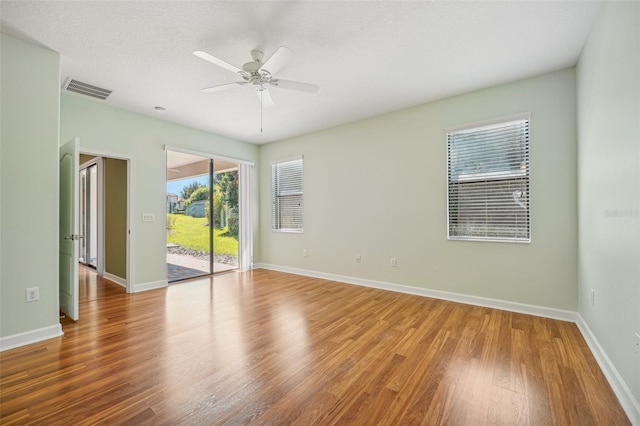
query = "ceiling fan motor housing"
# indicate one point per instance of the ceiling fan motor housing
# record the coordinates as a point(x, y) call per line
point(253, 72)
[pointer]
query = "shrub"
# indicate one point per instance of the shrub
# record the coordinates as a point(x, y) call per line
point(200, 194)
point(171, 221)
point(207, 213)
point(190, 189)
point(217, 205)
point(234, 222)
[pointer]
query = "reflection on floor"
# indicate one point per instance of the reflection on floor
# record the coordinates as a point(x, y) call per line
point(92, 290)
point(177, 272)
point(92, 287)
point(182, 267)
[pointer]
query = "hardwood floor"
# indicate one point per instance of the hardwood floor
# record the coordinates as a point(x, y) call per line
point(271, 348)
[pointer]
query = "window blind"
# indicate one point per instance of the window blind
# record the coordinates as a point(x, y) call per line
point(287, 195)
point(488, 182)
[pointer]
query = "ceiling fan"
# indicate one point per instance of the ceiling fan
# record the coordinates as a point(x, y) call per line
point(259, 74)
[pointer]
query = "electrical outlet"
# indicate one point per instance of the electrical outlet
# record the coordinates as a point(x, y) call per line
point(592, 297)
point(638, 344)
point(394, 262)
point(358, 258)
point(305, 253)
point(33, 294)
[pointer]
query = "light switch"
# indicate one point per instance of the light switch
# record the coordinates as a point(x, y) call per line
point(148, 217)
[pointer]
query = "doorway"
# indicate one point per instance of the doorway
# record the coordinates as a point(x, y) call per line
point(203, 217)
point(116, 193)
point(103, 199)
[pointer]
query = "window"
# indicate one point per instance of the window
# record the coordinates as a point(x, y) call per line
point(488, 182)
point(287, 196)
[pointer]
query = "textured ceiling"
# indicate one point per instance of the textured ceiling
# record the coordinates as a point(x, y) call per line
point(369, 57)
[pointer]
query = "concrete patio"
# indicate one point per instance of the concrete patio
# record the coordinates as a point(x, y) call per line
point(180, 267)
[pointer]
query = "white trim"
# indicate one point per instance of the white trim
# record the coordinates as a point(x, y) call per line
point(102, 153)
point(152, 285)
point(522, 308)
point(489, 122)
point(485, 240)
point(289, 230)
point(208, 155)
point(101, 216)
point(630, 405)
point(288, 159)
point(245, 207)
point(131, 225)
point(116, 279)
point(29, 337)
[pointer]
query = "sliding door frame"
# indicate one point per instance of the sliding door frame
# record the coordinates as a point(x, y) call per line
point(211, 248)
point(245, 204)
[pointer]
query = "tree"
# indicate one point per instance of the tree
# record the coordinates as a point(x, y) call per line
point(199, 194)
point(217, 205)
point(190, 189)
point(228, 182)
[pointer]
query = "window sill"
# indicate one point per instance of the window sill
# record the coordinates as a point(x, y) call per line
point(288, 231)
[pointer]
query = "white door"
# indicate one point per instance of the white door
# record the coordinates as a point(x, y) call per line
point(69, 215)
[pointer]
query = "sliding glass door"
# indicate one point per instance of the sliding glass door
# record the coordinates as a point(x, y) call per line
point(202, 216)
point(225, 216)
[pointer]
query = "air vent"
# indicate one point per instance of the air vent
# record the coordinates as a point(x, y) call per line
point(86, 89)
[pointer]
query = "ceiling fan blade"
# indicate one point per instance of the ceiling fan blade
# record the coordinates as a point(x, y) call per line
point(221, 87)
point(265, 97)
point(219, 62)
point(277, 60)
point(295, 85)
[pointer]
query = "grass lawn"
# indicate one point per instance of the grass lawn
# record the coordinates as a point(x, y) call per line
point(192, 232)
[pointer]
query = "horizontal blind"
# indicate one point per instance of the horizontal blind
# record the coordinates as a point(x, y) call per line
point(287, 196)
point(488, 182)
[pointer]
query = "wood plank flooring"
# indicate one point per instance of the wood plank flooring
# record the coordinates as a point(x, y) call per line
point(270, 348)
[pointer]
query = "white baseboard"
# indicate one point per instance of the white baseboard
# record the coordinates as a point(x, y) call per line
point(152, 285)
point(116, 279)
point(630, 405)
point(31, 336)
point(504, 305)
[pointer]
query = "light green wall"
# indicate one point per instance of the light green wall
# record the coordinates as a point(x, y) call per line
point(115, 216)
point(106, 129)
point(377, 188)
point(608, 79)
point(29, 185)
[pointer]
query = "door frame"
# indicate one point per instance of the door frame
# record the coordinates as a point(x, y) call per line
point(100, 173)
point(130, 211)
